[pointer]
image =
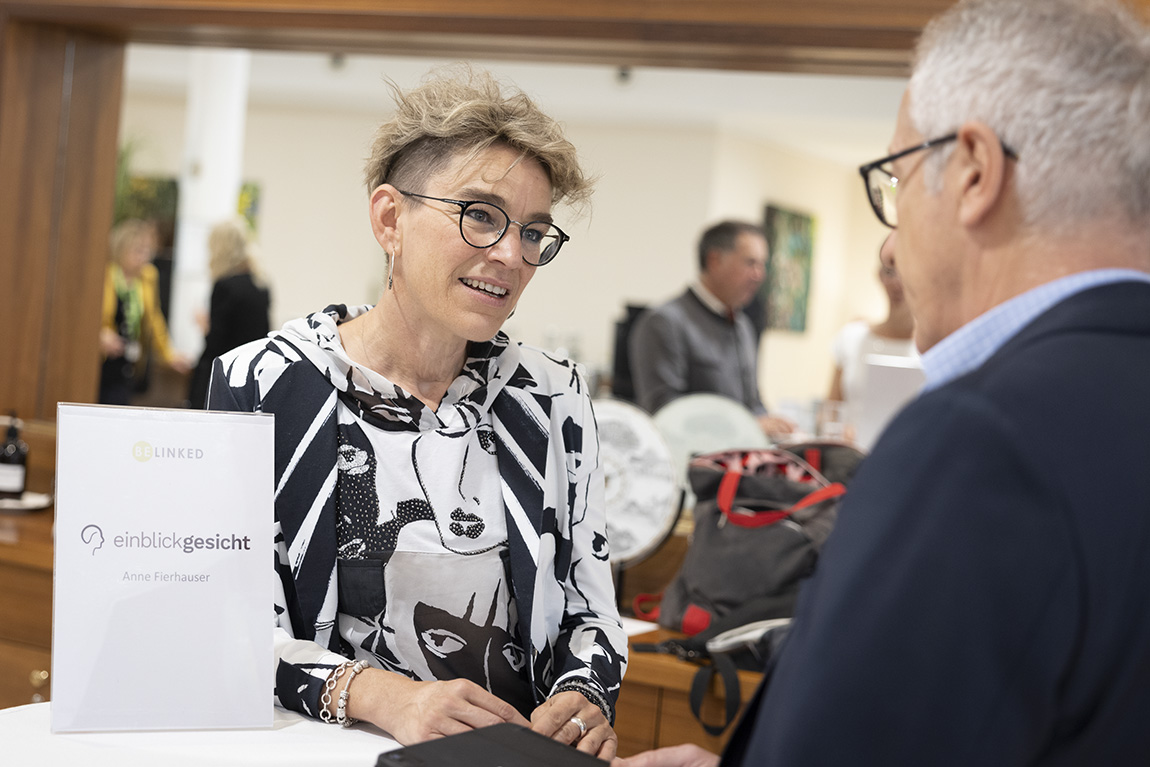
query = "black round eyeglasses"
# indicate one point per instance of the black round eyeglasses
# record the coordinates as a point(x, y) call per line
point(483, 224)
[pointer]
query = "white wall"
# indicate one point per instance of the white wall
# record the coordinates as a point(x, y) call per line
point(315, 238)
point(749, 174)
point(636, 244)
point(659, 186)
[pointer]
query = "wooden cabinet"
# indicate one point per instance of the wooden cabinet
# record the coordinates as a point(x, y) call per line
point(653, 708)
point(25, 608)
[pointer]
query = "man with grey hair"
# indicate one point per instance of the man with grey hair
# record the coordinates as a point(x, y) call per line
point(985, 597)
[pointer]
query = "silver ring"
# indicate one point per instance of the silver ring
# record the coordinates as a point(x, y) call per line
point(581, 725)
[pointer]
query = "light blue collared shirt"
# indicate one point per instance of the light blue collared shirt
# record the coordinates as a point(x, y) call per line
point(975, 342)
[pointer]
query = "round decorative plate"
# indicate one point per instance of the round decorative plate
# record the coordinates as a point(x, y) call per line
point(642, 496)
point(704, 423)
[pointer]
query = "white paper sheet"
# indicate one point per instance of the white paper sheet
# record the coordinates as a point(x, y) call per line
point(163, 572)
point(891, 382)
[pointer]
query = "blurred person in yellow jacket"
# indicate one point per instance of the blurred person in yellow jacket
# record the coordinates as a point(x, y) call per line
point(133, 329)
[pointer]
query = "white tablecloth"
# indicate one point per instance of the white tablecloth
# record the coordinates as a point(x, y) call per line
point(293, 741)
point(25, 741)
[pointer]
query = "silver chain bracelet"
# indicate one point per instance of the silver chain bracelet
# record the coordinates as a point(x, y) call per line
point(328, 688)
point(341, 716)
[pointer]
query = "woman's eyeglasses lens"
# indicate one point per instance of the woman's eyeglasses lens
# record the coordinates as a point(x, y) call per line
point(482, 225)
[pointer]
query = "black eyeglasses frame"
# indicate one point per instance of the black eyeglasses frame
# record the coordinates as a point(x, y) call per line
point(465, 204)
point(865, 170)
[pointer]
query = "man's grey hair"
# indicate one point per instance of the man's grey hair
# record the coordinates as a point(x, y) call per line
point(1064, 83)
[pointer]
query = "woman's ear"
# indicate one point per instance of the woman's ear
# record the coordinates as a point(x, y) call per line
point(384, 213)
point(982, 166)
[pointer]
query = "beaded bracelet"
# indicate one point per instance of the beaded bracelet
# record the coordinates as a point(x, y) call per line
point(341, 708)
point(329, 687)
point(590, 692)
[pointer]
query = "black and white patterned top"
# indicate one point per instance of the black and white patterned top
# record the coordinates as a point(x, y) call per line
point(463, 541)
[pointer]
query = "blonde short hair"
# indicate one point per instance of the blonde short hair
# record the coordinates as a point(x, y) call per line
point(127, 232)
point(464, 112)
point(229, 249)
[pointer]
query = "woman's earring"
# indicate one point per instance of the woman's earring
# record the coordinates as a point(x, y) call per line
point(390, 267)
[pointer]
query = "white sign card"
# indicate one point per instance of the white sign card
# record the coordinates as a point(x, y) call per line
point(162, 618)
point(891, 381)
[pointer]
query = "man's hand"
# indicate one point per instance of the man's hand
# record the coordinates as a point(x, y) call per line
point(685, 755)
point(776, 426)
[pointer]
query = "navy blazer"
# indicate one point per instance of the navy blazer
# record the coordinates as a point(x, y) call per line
point(985, 597)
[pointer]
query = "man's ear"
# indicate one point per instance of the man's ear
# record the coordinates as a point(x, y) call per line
point(384, 213)
point(981, 164)
point(711, 259)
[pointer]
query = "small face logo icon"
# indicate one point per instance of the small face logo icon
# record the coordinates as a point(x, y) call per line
point(93, 536)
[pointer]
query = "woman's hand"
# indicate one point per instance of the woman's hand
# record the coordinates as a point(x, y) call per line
point(555, 719)
point(180, 364)
point(111, 344)
point(685, 755)
point(203, 322)
point(412, 712)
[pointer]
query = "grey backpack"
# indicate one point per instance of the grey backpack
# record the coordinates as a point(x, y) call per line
point(760, 520)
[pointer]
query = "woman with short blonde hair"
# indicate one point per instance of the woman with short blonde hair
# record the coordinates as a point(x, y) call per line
point(442, 555)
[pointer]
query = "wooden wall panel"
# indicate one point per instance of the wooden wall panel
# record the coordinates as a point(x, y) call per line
point(784, 35)
point(835, 36)
point(30, 107)
point(61, 102)
point(59, 119)
point(86, 182)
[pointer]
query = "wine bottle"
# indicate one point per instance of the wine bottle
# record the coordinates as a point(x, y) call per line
point(13, 461)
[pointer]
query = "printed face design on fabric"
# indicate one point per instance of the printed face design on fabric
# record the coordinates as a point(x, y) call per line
point(458, 501)
point(466, 524)
point(357, 523)
point(599, 548)
point(463, 522)
point(486, 437)
point(456, 646)
point(457, 509)
point(352, 459)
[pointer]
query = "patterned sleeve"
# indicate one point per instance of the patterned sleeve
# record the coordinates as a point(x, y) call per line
point(591, 651)
point(239, 382)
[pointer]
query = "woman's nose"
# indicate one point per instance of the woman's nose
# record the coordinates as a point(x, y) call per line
point(509, 249)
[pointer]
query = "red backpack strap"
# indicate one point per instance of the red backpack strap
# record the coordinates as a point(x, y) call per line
point(764, 518)
point(814, 457)
point(643, 611)
point(728, 487)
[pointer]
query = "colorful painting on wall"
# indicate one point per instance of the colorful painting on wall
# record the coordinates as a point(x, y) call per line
point(786, 290)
